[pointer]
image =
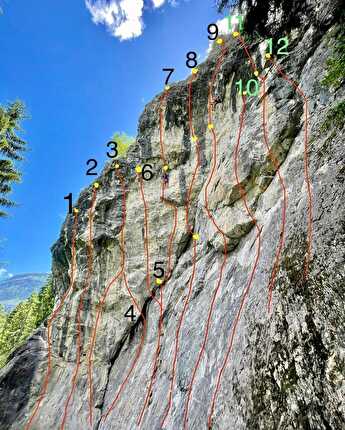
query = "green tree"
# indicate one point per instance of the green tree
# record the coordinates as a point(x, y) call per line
point(11, 149)
point(28, 315)
point(2, 317)
point(46, 300)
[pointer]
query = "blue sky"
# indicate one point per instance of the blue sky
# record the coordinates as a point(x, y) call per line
point(81, 83)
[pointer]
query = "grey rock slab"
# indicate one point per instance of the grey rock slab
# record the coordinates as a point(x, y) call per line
point(285, 367)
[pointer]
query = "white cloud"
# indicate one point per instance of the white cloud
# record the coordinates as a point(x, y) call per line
point(4, 274)
point(158, 3)
point(223, 26)
point(123, 18)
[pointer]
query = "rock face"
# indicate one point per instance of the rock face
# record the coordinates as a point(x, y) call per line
point(285, 367)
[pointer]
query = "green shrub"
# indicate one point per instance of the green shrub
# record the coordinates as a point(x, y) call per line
point(335, 117)
point(123, 142)
point(336, 64)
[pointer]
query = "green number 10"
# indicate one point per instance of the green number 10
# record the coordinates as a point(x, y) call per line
point(252, 87)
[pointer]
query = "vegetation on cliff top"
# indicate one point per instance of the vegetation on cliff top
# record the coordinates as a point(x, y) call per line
point(123, 142)
point(17, 326)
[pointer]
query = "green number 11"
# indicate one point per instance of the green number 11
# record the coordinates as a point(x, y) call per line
point(239, 19)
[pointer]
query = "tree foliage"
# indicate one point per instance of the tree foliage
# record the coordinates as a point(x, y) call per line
point(123, 142)
point(28, 315)
point(11, 149)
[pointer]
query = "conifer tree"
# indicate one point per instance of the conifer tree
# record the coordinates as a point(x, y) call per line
point(28, 315)
point(11, 150)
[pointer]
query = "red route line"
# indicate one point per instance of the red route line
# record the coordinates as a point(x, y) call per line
point(185, 306)
point(171, 241)
point(189, 229)
point(146, 237)
point(161, 142)
point(161, 128)
point(306, 168)
point(137, 356)
point(214, 150)
point(148, 280)
point(103, 299)
point(247, 289)
point(139, 350)
point(275, 162)
point(191, 131)
point(80, 307)
point(274, 272)
point(170, 244)
point(44, 388)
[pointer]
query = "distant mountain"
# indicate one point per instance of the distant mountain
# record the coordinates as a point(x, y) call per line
point(19, 288)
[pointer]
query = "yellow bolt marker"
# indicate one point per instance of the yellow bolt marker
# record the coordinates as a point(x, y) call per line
point(195, 70)
point(235, 33)
point(256, 73)
point(268, 56)
point(76, 210)
point(96, 185)
point(220, 41)
point(167, 87)
point(196, 236)
point(165, 167)
point(159, 281)
point(210, 126)
point(244, 93)
point(194, 138)
point(117, 166)
point(138, 169)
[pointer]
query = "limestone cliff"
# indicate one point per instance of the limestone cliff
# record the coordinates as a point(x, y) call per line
point(286, 364)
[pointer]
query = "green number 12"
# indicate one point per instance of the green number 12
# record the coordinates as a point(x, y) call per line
point(284, 41)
